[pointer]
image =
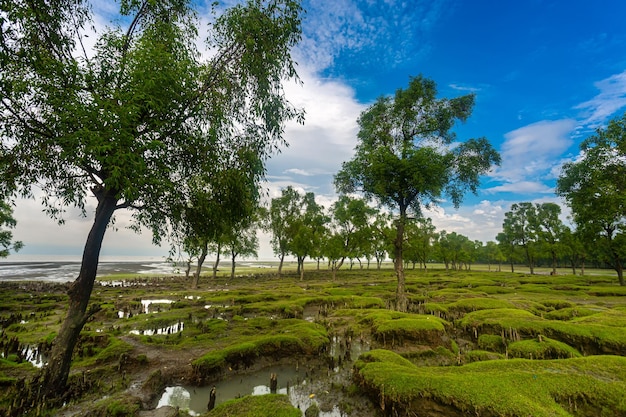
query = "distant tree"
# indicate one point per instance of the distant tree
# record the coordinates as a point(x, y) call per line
point(350, 219)
point(405, 158)
point(382, 236)
point(492, 254)
point(420, 236)
point(508, 247)
point(519, 228)
point(307, 230)
point(221, 202)
point(7, 222)
point(135, 118)
point(242, 242)
point(594, 188)
point(282, 214)
point(574, 248)
point(550, 230)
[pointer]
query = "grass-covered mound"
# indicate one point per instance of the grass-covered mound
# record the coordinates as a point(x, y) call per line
point(541, 348)
point(291, 337)
point(600, 333)
point(270, 405)
point(394, 328)
point(591, 385)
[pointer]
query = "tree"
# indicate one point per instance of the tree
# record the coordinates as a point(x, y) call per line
point(575, 250)
point(549, 229)
point(405, 159)
point(519, 228)
point(282, 213)
point(241, 243)
point(594, 187)
point(7, 222)
point(508, 248)
point(492, 253)
point(420, 236)
point(307, 230)
point(351, 218)
point(131, 121)
point(221, 202)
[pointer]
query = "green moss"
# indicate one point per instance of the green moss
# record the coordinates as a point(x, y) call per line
point(475, 304)
point(515, 387)
point(480, 355)
point(118, 406)
point(541, 348)
point(491, 342)
point(270, 405)
point(569, 313)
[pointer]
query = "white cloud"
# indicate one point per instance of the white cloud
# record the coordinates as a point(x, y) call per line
point(521, 187)
point(530, 151)
point(328, 136)
point(331, 28)
point(610, 100)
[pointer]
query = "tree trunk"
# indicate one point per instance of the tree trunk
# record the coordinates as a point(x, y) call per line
point(201, 258)
point(401, 298)
point(54, 375)
point(217, 261)
point(301, 267)
point(280, 264)
point(232, 265)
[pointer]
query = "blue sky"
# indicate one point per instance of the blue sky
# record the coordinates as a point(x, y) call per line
point(545, 75)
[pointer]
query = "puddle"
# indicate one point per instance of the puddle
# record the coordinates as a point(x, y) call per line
point(31, 354)
point(173, 329)
point(303, 387)
point(291, 381)
point(147, 303)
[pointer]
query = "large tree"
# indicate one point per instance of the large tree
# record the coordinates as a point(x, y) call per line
point(594, 187)
point(408, 157)
point(131, 120)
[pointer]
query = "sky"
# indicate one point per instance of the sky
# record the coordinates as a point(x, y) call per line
point(545, 74)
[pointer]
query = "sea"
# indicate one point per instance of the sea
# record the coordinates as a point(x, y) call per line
point(65, 268)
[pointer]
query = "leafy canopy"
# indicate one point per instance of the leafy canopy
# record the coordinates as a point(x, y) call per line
point(404, 157)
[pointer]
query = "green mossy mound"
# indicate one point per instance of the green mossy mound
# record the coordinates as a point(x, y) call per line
point(389, 327)
point(516, 387)
point(292, 337)
point(601, 333)
point(270, 405)
point(541, 348)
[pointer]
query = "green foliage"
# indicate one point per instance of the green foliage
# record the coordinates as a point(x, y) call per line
point(499, 387)
point(594, 188)
point(270, 405)
point(6, 236)
point(404, 159)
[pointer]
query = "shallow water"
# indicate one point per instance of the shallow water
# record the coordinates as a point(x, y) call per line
point(302, 388)
point(292, 381)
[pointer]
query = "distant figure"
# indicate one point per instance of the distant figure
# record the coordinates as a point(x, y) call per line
point(211, 405)
point(273, 383)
